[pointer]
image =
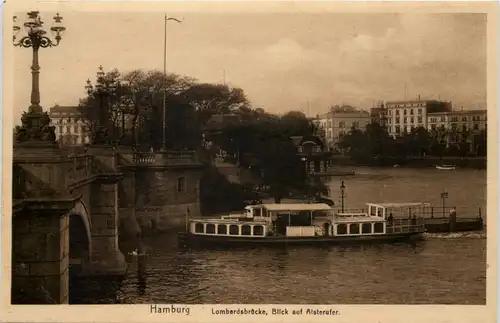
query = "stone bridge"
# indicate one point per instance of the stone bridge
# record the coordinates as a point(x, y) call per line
point(72, 209)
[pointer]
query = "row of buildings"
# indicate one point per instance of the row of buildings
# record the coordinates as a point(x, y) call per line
point(400, 117)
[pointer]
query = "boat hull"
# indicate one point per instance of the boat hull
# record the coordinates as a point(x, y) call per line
point(445, 167)
point(191, 240)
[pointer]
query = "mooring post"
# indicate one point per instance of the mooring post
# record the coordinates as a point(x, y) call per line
point(452, 220)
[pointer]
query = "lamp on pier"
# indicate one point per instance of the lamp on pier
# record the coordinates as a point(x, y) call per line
point(342, 192)
point(444, 196)
point(102, 92)
point(35, 122)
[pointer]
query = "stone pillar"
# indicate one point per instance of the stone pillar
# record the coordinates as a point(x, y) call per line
point(40, 224)
point(106, 257)
point(128, 225)
point(40, 257)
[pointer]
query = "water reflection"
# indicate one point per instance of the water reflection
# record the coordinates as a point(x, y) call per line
point(141, 274)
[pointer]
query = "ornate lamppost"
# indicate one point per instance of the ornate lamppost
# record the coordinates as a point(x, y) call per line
point(36, 123)
point(102, 91)
point(444, 196)
point(342, 192)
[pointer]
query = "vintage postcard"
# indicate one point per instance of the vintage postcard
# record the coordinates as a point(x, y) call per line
point(243, 161)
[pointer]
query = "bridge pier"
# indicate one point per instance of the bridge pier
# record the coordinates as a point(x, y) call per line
point(106, 257)
point(40, 256)
point(40, 225)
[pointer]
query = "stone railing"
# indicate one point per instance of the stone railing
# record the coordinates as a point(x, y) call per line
point(163, 158)
point(79, 168)
point(143, 158)
point(179, 157)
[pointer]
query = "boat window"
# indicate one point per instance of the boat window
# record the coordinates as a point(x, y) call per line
point(341, 229)
point(353, 228)
point(258, 230)
point(198, 228)
point(222, 229)
point(210, 228)
point(246, 230)
point(379, 227)
point(365, 228)
point(234, 230)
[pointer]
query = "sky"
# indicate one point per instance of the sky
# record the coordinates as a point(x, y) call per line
point(283, 61)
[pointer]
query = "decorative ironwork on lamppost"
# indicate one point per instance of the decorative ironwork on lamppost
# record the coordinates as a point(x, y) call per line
point(342, 192)
point(102, 91)
point(36, 123)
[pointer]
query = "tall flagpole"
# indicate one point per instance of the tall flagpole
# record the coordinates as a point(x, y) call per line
point(164, 122)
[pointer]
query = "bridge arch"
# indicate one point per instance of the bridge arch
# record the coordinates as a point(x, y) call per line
point(80, 238)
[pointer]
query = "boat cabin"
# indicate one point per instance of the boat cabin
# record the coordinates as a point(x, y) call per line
point(401, 217)
point(305, 220)
point(265, 219)
point(233, 227)
point(356, 224)
point(398, 210)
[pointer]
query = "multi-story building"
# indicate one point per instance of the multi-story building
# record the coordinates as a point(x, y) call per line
point(473, 120)
point(69, 126)
point(339, 121)
point(402, 116)
point(456, 127)
point(378, 114)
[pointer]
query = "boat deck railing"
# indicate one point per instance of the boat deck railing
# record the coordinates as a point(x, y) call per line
point(405, 225)
point(432, 212)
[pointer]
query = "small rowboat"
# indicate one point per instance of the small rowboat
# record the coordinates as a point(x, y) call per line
point(446, 167)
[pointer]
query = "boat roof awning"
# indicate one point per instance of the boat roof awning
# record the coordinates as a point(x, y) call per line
point(399, 204)
point(297, 207)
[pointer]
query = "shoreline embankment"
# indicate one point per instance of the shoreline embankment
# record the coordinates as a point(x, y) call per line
point(413, 162)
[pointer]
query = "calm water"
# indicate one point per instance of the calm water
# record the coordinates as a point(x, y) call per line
point(466, 188)
point(443, 269)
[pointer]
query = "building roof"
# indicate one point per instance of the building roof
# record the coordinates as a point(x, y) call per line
point(417, 101)
point(64, 109)
point(458, 112)
point(346, 114)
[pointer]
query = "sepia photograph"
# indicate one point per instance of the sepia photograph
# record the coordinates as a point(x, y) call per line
point(305, 157)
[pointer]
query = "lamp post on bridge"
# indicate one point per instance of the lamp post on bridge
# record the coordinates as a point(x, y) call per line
point(102, 91)
point(36, 123)
point(342, 192)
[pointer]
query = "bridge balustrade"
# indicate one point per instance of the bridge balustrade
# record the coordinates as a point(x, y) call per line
point(162, 158)
point(143, 158)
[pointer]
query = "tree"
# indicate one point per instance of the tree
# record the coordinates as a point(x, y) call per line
point(99, 108)
point(135, 101)
point(437, 143)
point(209, 99)
point(355, 144)
point(264, 146)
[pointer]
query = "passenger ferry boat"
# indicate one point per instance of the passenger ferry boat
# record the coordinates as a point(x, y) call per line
point(314, 224)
